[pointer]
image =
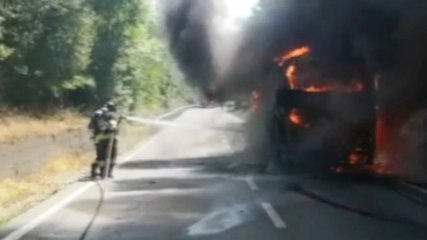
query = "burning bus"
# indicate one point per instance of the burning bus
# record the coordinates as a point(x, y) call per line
point(322, 108)
point(321, 120)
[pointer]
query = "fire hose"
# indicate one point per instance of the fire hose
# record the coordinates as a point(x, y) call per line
point(299, 189)
point(101, 184)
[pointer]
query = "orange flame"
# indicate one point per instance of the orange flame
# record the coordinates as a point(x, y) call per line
point(355, 158)
point(380, 170)
point(291, 73)
point(296, 118)
point(353, 87)
point(298, 52)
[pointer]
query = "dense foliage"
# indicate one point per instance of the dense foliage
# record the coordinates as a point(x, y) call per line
point(81, 53)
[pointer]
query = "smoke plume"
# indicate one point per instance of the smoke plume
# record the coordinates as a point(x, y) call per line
point(376, 37)
point(187, 23)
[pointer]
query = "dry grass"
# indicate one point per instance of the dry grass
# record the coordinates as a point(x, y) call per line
point(23, 192)
point(20, 193)
point(16, 126)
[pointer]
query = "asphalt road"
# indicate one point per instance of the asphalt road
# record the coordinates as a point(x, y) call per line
point(184, 184)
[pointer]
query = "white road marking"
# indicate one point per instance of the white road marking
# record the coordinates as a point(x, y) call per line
point(220, 220)
point(28, 227)
point(41, 218)
point(274, 216)
point(250, 181)
point(414, 187)
point(176, 191)
point(175, 111)
point(144, 145)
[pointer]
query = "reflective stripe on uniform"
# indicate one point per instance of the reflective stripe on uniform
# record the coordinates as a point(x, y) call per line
point(100, 163)
point(101, 137)
point(113, 123)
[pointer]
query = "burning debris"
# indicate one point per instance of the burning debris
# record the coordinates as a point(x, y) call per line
point(299, 52)
point(297, 119)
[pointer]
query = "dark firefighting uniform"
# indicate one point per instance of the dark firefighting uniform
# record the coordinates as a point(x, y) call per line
point(105, 141)
point(95, 127)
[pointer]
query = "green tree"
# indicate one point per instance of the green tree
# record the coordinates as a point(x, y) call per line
point(50, 43)
point(82, 53)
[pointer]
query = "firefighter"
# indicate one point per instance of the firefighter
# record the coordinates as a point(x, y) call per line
point(104, 125)
point(96, 125)
point(108, 139)
point(94, 120)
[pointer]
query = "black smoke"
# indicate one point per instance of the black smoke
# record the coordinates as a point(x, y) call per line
point(339, 32)
point(373, 33)
point(187, 24)
point(382, 37)
point(387, 37)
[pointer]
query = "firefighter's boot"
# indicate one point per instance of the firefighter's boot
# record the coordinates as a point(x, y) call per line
point(110, 171)
point(103, 172)
point(93, 171)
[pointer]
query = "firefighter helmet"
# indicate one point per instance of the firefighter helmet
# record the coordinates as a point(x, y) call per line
point(111, 106)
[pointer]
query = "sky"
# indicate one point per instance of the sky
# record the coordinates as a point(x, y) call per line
point(240, 8)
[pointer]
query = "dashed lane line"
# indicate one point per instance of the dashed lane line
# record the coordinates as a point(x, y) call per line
point(268, 208)
point(252, 185)
point(274, 216)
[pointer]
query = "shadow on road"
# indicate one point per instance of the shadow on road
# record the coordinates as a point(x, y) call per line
point(227, 163)
point(179, 194)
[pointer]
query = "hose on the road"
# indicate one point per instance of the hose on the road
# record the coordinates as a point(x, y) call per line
point(317, 197)
point(101, 187)
point(420, 201)
point(97, 211)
